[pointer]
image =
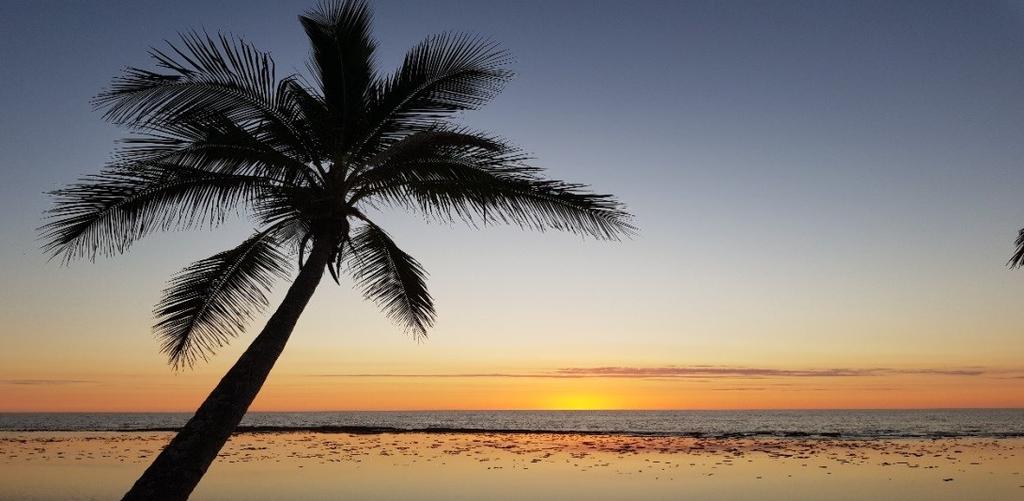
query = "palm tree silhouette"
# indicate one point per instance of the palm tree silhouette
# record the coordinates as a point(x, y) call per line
point(1017, 259)
point(215, 130)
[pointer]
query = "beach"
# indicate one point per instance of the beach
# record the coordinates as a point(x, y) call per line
point(511, 465)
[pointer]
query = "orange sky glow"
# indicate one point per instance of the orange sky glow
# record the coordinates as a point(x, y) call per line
point(815, 231)
point(296, 392)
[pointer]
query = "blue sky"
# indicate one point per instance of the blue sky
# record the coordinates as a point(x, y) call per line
point(815, 182)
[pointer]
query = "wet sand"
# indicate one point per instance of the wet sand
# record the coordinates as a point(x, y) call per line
point(305, 465)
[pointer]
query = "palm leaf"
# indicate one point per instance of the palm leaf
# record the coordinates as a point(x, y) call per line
point(218, 145)
point(442, 75)
point(205, 76)
point(1017, 260)
point(429, 143)
point(342, 59)
point(488, 182)
point(107, 212)
point(211, 300)
point(308, 109)
point(532, 204)
point(389, 277)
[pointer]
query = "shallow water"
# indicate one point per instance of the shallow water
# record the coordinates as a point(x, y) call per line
point(305, 465)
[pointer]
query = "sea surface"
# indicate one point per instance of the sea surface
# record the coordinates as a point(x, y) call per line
point(852, 424)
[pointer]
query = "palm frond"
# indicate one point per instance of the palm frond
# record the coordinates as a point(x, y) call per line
point(211, 300)
point(442, 75)
point(107, 212)
point(1017, 260)
point(308, 109)
point(429, 143)
point(489, 182)
point(217, 145)
point(389, 277)
point(285, 203)
point(342, 58)
point(204, 76)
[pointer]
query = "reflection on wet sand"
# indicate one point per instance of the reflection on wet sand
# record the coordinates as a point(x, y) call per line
point(49, 465)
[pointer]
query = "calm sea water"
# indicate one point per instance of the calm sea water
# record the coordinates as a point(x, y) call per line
point(826, 424)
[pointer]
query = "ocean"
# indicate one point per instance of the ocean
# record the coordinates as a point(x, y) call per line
point(849, 424)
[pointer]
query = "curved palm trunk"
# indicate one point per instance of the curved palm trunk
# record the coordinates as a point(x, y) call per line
point(178, 469)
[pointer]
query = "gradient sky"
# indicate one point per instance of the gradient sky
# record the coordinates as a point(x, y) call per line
point(827, 194)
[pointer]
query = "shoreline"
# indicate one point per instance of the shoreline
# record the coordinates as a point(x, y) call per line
point(416, 465)
point(443, 430)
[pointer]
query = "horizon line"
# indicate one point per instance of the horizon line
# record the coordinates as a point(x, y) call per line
point(692, 409)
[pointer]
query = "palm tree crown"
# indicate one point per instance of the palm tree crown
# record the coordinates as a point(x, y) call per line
point(215, 129)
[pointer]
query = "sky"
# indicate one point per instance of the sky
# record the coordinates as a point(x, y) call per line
point(827, 195)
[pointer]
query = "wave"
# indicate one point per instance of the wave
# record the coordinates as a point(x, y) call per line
point(924, 424)
point(380, 430)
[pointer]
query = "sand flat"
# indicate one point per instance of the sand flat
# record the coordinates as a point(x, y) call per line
point(305, 465)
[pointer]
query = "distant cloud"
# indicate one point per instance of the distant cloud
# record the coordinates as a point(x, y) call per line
point(754, 372)
point(942, 372)
point(694, 372)
point(44, 382)
point(706, 371)
point(460, 375)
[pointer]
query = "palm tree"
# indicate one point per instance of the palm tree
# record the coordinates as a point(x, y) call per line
point(215, 131)
point(1017, 259)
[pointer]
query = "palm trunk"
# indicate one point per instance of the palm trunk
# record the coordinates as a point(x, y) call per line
point(178, 469)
